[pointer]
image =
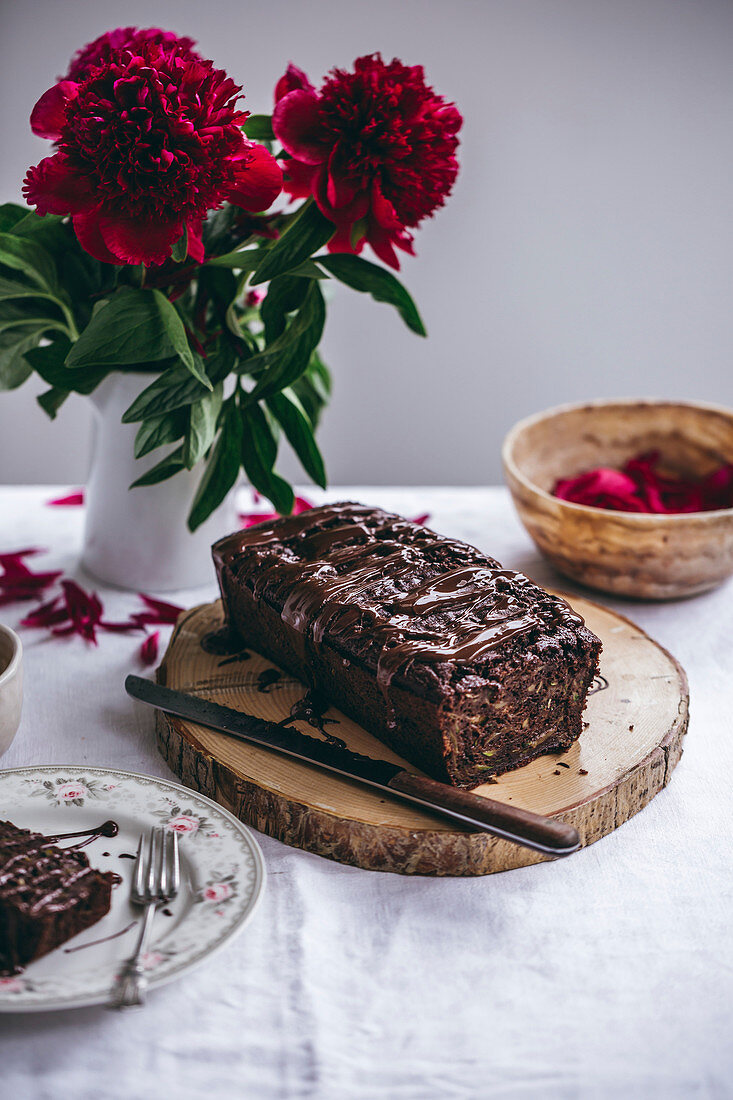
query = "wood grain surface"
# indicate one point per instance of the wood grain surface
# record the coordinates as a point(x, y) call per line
point(636, 718)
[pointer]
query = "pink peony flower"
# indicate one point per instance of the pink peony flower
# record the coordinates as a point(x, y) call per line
point(67, 792)
point(218, 891)
point(184, 823)
point(375, 147)
point(148, 138)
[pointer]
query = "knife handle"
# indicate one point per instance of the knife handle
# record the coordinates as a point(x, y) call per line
point(542, 834)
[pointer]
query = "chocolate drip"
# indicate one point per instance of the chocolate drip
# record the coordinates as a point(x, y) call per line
point(311, 709)
point(106, 829)
point(222, 643)
point(267, 679)
point(445, 601)
point(105, 939)
point(241, 655)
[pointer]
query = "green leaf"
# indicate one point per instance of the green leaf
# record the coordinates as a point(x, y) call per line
point(293, 419)
point(28, 257)
point(50, 231)
point(50, 363)
point(159, 430)
point(25, 316)
point(241, 259)
point(280, 364)
point(377, 281)
point(52, 400)
point(83, 277)
point(314, 388)
point(134, 326)
point(14, 368)
point(285, 294)
point(203, 418)
point(308, 270)
point(198, 368)
point(180, 248)
point(10, 214)
point(171, 390)
point(175, 388)
point(218, 229)
point(259, 450)
point(14, 288)
point(222, 468)
point(304, 236)
point(248, 259)
point(166, 468)
point(126, 330)
point(259, 128)
point(179, 341)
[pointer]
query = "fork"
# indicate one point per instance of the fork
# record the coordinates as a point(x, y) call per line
point(156, 880)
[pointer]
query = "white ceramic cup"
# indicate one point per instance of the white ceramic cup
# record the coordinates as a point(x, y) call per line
point(11, 685)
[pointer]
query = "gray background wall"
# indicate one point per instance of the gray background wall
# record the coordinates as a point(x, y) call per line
point(587, 250)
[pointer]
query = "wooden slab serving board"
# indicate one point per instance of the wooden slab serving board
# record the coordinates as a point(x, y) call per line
point(637, 716)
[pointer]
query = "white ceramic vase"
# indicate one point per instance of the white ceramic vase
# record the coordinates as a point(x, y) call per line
point(138, 538)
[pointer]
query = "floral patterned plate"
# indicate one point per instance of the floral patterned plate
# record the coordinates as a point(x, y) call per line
point(223, 876)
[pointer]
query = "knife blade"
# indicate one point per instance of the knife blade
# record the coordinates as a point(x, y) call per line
point(541, 834)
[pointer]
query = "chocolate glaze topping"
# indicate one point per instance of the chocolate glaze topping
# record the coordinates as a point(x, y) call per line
point(444, 600)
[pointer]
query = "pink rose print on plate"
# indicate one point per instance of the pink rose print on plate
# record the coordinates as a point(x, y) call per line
point(67, 792)
point(151, 959)
point(184, 823)
point(11, 985)
point(218, 891)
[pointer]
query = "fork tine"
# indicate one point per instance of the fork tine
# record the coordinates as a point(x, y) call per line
point(176, 870)
point(152, 864)
point(138, 882)
point(165, 866)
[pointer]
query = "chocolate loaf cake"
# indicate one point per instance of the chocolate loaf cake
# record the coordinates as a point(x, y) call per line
point(47, 895)
point(464, 668)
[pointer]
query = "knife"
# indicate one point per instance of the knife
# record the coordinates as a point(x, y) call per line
point(541, 834)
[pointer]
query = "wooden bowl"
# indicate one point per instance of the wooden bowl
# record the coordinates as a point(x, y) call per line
point(653, 557)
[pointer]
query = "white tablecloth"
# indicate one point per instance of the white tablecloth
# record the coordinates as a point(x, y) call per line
point(604, 975)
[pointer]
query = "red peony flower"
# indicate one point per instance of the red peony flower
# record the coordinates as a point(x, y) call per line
point(639, 487)
point(149, 140)
point(376, 148)
point(99, 51)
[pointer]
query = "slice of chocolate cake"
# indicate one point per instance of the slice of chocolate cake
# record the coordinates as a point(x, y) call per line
point(47, 895)
point(463, 667)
